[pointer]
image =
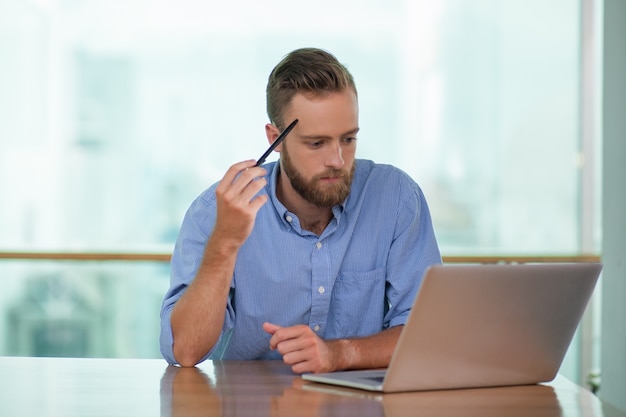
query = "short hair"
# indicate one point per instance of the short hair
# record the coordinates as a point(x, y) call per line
point(309, 70)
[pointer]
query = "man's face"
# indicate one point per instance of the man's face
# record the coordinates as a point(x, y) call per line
point(318, 155)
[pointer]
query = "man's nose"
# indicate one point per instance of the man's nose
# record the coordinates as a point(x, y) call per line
point(335, 156)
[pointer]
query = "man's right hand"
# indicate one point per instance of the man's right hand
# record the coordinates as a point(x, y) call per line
point(237, 205)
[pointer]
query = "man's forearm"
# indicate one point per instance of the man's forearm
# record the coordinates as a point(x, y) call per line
point(366, 353)
point(198, 316)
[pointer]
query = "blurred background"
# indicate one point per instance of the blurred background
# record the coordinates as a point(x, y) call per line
point(115, 115)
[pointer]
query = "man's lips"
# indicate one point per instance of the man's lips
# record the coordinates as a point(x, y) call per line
point(331, 179)
point(331, 175)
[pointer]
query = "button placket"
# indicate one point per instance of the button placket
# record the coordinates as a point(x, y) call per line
point(320, 283)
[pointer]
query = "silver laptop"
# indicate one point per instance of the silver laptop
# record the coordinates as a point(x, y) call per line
point(483, 326)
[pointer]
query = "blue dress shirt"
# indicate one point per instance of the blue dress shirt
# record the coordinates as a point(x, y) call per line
point(357, 278)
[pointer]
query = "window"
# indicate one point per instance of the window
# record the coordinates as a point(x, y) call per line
point(120, 113)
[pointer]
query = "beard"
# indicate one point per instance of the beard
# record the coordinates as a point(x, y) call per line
point(313, 191)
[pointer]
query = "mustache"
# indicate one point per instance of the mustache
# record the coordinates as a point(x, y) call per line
point(332, 173)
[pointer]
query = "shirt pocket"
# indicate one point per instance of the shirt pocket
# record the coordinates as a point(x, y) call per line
point(358, 303)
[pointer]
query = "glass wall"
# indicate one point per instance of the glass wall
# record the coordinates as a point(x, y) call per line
point(115, 115)
point(81, 309)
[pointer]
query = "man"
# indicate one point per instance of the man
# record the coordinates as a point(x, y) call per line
point(314, 259)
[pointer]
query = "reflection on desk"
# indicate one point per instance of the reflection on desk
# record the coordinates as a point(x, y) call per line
point(146, 387)
point(254, 388)
point(529, 400)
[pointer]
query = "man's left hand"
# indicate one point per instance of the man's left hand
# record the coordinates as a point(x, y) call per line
point(302, 348)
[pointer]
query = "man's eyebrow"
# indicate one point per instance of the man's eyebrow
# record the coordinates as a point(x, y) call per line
point(343, 135)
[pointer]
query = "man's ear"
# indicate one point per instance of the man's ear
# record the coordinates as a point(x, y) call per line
point(272, 133)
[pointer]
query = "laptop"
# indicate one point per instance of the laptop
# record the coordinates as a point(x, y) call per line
point(483, 326)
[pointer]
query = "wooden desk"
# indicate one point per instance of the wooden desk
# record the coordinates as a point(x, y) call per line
point(139, 387)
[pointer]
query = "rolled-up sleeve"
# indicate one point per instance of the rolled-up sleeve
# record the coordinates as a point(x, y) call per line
point(413, 250)
point(186, 257)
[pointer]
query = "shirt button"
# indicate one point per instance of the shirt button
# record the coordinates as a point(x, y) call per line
point(289, 219)
point(321, 290)
point(318, 245)
point(316, 328)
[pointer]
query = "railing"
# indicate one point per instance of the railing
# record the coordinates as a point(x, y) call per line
point(87, 256)
point(587, 330)
point(165, 257)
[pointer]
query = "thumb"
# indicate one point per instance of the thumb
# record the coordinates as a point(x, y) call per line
point(271, 328)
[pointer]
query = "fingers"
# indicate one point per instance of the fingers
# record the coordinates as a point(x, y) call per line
point(300, 347)
point(270, 328)
point(242, 182)
point(237, 168)
point(287, 337)
point(238, 202)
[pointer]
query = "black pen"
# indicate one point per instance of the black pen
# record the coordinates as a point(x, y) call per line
point(276, 143)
